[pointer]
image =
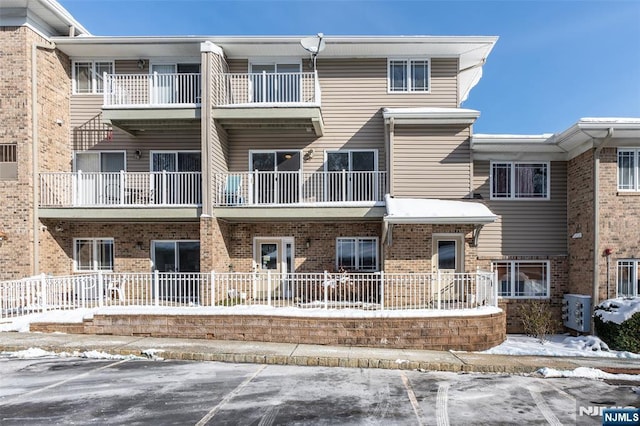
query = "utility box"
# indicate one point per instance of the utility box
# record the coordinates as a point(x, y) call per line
point(576, 312)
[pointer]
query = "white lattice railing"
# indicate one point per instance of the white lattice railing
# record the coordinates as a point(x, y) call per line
point(264, 188)
point(78, 189)
point(365, 291)
point(266, 88)
point(156, 89)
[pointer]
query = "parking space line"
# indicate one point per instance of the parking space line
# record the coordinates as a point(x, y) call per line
point(442, 409)
point(412, 398)
point(214, 410)
point(544, 408)
point(53, 385)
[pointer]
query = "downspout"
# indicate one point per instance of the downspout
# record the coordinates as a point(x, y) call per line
point(596, 220)
point(35, 151)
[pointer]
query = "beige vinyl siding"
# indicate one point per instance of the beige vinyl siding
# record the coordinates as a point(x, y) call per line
point(88, 133)
point(217, 135)
point(354, 91)
point(537, 227)
point(431, 162)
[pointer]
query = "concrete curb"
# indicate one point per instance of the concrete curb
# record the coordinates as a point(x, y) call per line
point(307, 355)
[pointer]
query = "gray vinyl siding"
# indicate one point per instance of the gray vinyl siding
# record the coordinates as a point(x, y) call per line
point(537, 227)
point(354, 91)
point(431, 162)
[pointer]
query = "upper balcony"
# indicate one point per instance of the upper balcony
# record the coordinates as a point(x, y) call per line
point(135, 102)
point(267, 99)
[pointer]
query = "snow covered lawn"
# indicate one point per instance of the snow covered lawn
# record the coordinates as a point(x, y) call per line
point(558, 345)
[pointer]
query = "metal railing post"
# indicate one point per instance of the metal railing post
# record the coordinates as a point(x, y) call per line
point(494, 285)
point(268, 288)
point(122, 187)
point(264, 86)
point(325, 286)
point(344, 185)
point(43, 292)
point(438, 287)
point(101, 293)
point(213, 288)
point(382, 285)
point(156, 287)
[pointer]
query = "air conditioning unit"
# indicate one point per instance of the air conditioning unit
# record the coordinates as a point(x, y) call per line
point(576, 312)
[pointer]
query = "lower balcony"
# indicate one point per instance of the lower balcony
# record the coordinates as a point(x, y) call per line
point(82, 195)
point(295, 194)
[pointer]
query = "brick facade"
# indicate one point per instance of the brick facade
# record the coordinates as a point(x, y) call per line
point(53, 86)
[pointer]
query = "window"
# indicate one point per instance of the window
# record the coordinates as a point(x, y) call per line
point(357, 254)
point(522, 279)
point(8, 162)
point(513, 180)
point(628, 169)
point(93, 254)
point(628, 278)
point(408, 75)
point(88, 76)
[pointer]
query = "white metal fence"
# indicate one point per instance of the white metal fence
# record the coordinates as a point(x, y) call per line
point(270, 88)
point(61, 189)
point(157, 89)
point(258, 187)
point(367, 291)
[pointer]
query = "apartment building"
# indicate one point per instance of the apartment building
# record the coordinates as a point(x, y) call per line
point(251, 154)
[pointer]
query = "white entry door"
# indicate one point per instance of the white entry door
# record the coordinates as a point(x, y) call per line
point(447, 261)
point(273, 256)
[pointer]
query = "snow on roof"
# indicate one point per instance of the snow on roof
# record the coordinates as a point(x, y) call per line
point(418, 210)
point(618, 310)
point(632, 120)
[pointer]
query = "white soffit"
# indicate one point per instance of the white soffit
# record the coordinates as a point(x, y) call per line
point(434, 211)
point(47, 16)
point(429, 115)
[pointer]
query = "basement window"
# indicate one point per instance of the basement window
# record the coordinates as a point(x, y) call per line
point(628, 278)
point(8, 162)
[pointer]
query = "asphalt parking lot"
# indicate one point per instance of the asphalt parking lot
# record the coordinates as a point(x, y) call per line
point(45, 391)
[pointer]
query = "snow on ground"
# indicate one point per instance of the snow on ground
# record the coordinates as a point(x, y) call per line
point(558, 345)
point(587, 373)
point(32, 353)
point(22, 323)
point(618, 310)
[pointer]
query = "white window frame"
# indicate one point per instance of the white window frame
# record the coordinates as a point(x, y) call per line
point(350, 151)
point(275, 153)
point(512, 266)
point(94, 84)
point(512, 179)
point(408, 62)
point(94, 247)
point(75, 153)
point(636, 169)
point(634, 264)
point(358, 267)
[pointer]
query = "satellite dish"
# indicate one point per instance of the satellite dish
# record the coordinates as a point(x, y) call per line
point(313, 45)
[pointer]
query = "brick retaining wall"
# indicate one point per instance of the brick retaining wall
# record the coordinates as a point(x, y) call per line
point(468, 333)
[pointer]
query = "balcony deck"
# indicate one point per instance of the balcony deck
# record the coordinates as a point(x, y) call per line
point(136, 102)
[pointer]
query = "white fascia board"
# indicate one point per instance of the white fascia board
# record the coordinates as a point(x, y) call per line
point(208, 46)
point(62, 13)
point(454, 220)
point(431, 115)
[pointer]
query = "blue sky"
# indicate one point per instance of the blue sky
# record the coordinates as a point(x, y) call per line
point(556, 61)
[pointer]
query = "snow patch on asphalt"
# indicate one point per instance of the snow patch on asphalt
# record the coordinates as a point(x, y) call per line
point(34, 353)
point(587, 373)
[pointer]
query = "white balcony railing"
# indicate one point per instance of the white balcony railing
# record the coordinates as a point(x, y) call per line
point(298, 88)
point(365, 291)
point(152, 90)
point(298, 187)
point(84, 189)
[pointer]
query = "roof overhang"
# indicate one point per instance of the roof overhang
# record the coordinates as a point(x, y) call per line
point(428, 115)
point(580, 137)
point(471, 51)
point(434, 211)
point(45, 16)
point(261, 117)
